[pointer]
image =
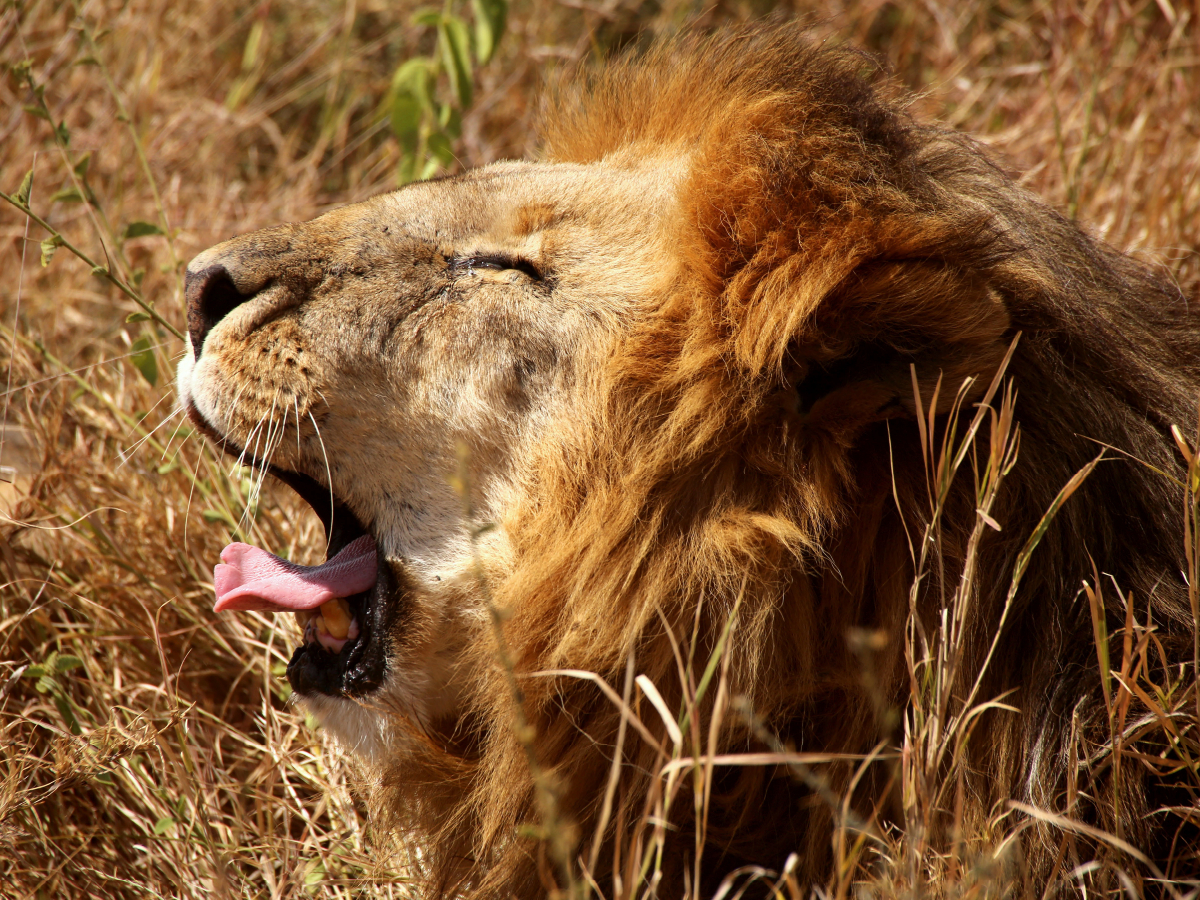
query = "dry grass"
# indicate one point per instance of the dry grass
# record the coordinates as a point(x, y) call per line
point(148, 747)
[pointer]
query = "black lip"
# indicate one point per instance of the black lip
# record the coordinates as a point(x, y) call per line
point(359, 667)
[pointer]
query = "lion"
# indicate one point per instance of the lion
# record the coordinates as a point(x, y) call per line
point(657, 398)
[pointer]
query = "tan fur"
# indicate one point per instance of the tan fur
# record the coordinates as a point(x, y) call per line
point(705, 403)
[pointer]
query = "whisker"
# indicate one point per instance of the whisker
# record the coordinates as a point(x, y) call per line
point(171, 439)
point(257, 434)
point(254, 436)
point(187, 511)
point(269, 447)
point(328, 473)
point(182, 444)
point(128, 453)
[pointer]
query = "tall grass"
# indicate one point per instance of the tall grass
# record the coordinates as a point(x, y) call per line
point(148, 747)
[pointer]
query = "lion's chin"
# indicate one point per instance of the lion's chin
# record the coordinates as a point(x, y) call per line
point(357, 725)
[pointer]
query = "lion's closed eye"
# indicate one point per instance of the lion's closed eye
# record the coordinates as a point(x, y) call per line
point(496, 267)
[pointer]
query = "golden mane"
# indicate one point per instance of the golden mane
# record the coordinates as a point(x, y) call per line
point(753, 453)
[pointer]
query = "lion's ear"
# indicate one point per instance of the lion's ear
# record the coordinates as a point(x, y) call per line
point(889, 320)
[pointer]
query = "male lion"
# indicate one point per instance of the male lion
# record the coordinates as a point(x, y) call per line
point(685, 353)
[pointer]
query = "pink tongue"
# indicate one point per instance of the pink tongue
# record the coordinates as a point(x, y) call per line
point(251, 578)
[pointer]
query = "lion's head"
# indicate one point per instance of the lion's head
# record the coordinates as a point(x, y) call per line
point(467, 313)
point(665, 377)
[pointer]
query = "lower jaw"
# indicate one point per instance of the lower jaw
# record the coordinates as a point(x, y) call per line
point(360, 666)
point(315, 670)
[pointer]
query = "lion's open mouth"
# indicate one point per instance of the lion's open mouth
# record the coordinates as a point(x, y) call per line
point(341, 604)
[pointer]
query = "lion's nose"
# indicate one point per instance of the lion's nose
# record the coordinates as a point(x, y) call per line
point(211, 296)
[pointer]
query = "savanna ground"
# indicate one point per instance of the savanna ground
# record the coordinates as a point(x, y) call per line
point(148, 746)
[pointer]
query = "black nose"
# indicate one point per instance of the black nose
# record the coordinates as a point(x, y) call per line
point(211, 296)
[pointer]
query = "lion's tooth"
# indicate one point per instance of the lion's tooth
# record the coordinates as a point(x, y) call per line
point(336, 613)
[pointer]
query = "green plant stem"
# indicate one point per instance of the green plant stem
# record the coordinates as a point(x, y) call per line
point(123, 115)
point(97, 269)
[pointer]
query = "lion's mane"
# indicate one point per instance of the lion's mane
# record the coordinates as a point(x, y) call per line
point(752, 442)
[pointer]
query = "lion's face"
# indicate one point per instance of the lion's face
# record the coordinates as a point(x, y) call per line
point(366, 355)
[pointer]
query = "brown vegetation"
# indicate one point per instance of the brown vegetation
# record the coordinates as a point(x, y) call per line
point(154, 750)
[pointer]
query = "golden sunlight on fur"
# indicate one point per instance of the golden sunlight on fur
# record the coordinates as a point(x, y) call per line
point(660, 404)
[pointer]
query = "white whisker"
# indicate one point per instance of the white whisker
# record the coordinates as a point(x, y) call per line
point(328, 473)
point(127, 454)
point(167, 447)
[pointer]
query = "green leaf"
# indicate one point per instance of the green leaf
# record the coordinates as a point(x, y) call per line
point(65, 663)
point(46, 685)
point(409, 99)
point(314, 876)
point(450, 120)
point(143, 359)
point(87, 61)
point(139, 229)
point(81, 166)
point(34, 671)
point(62, 133)
point(250, 53)
point(163, 825)
point(49, 245)
point(453, 40)
point(406, 169)
point(25, 189)
point(67, 195)
point(490, 17)
point(219, 515)
point(138, 316)
point(138, 274)
point(440, 149)
point(406, 115)
point(426, 16)
point(68, 714)
point(37, 111)
point(412, 77)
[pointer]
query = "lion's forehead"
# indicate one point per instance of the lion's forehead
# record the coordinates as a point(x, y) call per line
point(516, 203)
